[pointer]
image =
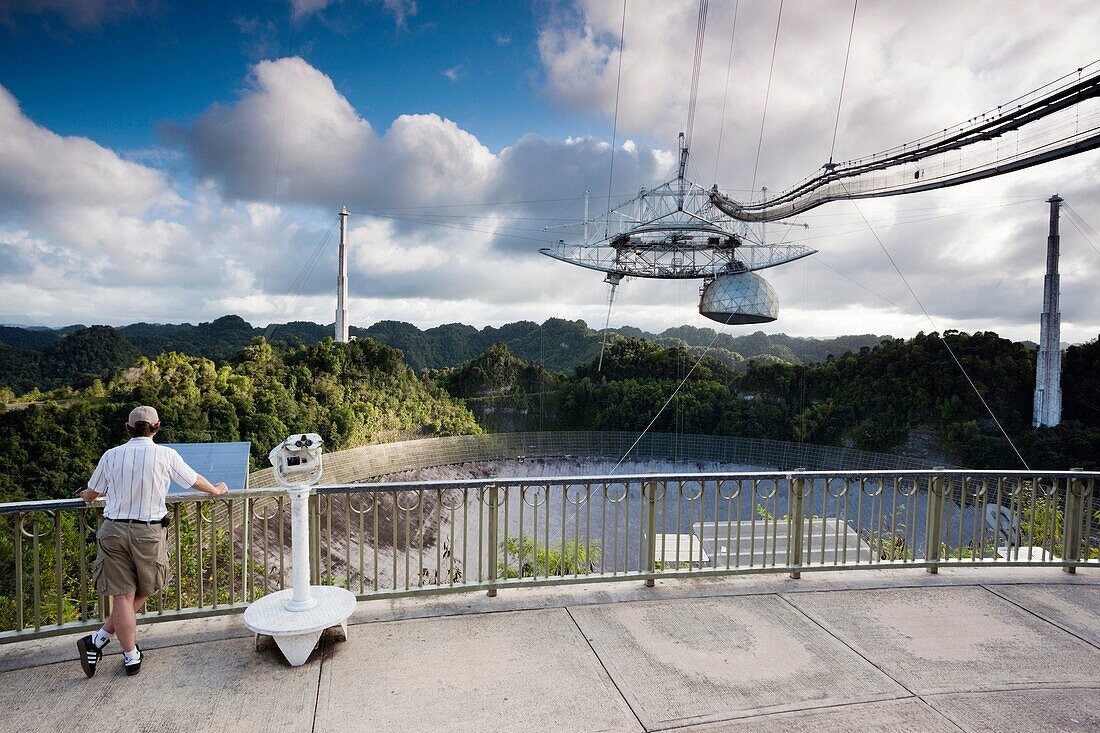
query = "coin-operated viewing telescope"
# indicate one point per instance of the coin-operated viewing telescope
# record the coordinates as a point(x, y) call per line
point(297, 460)
point(296, 617)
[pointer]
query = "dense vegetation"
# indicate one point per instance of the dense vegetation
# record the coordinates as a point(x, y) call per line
point(638, 377)
point(501, 389)
point(873, 399)
point(73, 356)
point(561, 346)
point(349, 393)
point(87, 352)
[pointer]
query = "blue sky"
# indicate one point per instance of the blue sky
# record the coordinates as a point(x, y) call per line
point(175, 161)
point(119, 82)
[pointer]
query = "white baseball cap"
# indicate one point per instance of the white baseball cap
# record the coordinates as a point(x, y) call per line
point(143, 414)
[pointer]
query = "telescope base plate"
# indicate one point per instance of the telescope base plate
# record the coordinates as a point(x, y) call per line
point(297, 632)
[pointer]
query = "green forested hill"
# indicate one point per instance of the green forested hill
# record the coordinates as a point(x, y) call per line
point(28, 338)
point(1081, 373)
point(638, 377)
point(872, 399)
point(39, 358)
point(561, 345)
point(19, 371)
point(504, 391)
point(84, 354)
point(494, 372)
point(557, 344)
point(218, 340)
point(360, 392)
point(349, 393)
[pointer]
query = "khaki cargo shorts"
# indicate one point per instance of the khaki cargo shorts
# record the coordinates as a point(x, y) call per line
point(133, 558)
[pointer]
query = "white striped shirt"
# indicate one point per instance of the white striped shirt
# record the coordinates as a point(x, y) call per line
point(134, 479)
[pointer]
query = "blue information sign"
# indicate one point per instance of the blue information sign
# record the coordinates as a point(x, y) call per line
point(226, 462)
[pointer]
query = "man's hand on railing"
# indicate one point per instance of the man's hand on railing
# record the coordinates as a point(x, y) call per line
point(202, 484)
point(87, 494)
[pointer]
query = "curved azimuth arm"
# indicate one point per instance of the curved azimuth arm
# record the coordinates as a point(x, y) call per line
point(1057, 120)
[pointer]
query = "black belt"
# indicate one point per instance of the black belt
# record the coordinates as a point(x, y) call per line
point(139, 521)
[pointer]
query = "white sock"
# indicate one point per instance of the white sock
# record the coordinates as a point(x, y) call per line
point(101, 638)
point(131, 656)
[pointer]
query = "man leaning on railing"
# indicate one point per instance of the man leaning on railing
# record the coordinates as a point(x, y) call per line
point(132, 563)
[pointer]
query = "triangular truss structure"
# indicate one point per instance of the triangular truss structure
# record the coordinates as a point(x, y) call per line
point(673, 231)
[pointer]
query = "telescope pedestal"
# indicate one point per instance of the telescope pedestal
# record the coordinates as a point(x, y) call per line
point(297, 617)
point(297, 632)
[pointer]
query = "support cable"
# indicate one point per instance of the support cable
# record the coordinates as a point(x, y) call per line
point(942, 339)
point(671, 397)
point(843, 78)
point(279, 154)
point(802, 396)
point(726, 92)
point(1082, 226)
point(857, 283)
point(615, 124)
point(894, 223)
point(461, 226)
point(433, 207)
point(693, 94)
point(301, 279)
point(832, 148)
point(612, 285)
point(767, 94)
point(1042, 144)
point(610, 179)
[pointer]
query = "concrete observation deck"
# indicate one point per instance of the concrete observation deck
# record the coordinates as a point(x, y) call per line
point(970, 649)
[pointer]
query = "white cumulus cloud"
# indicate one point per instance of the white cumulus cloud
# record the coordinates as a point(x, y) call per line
point(39, 169)
point(446, 229)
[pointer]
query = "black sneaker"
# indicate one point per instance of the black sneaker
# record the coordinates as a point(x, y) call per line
point(90, 654)
point(133, 668)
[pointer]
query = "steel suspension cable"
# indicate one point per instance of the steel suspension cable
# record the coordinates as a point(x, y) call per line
point(726, 92)
point(697, 62)
point(463, 227)
point(843, 78)
point(1004, 120)
point(802, 396)
point(279, 153)
point(767, 94)
point(302, 278)
point(1082, 226)
point(672, 396)
point(615, 123)
point(942, 339)
point(610, 178)
point(612, 287)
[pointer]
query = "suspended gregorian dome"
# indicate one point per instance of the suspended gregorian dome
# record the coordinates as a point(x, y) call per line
point(738, 299)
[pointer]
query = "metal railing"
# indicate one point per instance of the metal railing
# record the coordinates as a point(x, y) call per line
point(396, 539)
point(381, 459)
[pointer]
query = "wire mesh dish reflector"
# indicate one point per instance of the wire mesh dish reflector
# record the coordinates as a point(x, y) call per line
point(739, 299)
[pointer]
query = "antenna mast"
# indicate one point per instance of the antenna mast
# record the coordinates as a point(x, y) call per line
point(342, 282)
point(680, 176)
point(1047, 411)
point(586, 214)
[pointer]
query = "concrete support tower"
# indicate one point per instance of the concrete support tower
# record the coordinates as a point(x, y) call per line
point(342, 282)
point(1047, 411)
